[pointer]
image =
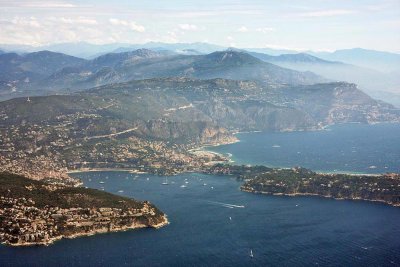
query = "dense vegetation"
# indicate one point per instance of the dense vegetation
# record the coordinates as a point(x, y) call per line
point(42, 194)
point(300, 181)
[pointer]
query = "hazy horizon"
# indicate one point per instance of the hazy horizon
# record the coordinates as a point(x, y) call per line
point(310, 25)
point(122, 45)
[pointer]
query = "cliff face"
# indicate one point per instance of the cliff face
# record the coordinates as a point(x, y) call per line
point(257, 115)
point(340, 103)
point(183, 132)
point(35, 213)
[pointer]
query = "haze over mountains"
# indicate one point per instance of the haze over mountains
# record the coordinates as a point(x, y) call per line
point(379, 60)
point(234, 89)
point(375, 72)
point(62, 73)
point(370, 80)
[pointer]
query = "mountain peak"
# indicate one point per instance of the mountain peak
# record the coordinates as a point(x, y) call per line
point(111, 59)
point(46, 54)
point(232, 57)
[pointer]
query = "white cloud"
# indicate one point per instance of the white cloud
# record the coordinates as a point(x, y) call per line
point(27, 22)
point(130, 24)
point(327, 13)
point(37, 4)
point(188, 27)
point(208, 13)
point(44, 30)
point(77, 20)
point(243, 29)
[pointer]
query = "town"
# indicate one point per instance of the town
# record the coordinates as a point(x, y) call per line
point(31, 213)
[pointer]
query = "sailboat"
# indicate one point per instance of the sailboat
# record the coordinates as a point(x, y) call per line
point(251, 253)
point(165, 182)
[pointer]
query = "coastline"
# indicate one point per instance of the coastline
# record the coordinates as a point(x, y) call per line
point(203, 149)
point(92, 233)
point(316, 195)
point(82, 170)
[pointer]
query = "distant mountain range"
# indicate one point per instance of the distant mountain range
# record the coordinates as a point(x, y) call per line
point(35, 65)
point(375, 72)
point(87, 50)
point(378, 60)
point(292, 58)
point(48, 72)
point(369, 80)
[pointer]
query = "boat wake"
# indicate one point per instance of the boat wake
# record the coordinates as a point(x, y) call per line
point(226, 205)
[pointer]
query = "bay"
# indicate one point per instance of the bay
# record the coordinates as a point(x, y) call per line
point(213, 223)
point(350, 148)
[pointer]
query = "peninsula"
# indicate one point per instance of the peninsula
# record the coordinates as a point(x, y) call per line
point(37, 213)
point(298, 181)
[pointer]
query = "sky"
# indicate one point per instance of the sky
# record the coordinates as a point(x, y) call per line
point(319, 25)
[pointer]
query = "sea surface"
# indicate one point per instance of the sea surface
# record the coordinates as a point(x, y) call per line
point(354, 148)
point(213, 223)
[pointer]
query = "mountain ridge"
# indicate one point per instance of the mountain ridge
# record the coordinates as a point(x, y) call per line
point(143, 64)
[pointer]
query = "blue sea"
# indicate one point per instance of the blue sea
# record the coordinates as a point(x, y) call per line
point(354, 148)
point(213, 223)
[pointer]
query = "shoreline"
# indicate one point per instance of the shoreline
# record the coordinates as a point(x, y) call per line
point(203, 149)
point(51, 241)
point(317, 195)
point(82, 170)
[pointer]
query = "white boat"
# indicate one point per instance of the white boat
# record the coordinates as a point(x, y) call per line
point(165, 182)
point(183, 186)
point(101, 182)
point(251, 253)
point(120, 191)
point(204, 184)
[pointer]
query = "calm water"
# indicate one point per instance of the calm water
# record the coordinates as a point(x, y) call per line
point(204, 230)
point(342, 148)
